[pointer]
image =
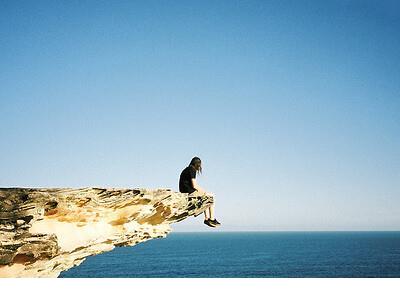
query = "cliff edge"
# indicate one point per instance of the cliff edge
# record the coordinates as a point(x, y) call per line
point(44, 231)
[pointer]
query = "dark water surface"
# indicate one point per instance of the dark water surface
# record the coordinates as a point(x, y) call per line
point(252, 254)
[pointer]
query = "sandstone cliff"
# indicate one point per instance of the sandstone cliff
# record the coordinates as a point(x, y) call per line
point(46, 231)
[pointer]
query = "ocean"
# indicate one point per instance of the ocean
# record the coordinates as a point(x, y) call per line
point(251, 254)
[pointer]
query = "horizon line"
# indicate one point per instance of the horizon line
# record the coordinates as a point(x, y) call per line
point(285, 231)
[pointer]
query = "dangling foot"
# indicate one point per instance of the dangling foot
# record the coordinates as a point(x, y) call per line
point(215, 222)
point(208, 223)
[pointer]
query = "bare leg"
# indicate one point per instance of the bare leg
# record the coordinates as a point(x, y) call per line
point(206, 214)
point(211, 208)
point(211, 211)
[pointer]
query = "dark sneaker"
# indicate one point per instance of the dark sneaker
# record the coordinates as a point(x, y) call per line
point(208, 223)
point(215, 222)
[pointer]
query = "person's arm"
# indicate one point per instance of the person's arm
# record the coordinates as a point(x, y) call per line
point(196, 186)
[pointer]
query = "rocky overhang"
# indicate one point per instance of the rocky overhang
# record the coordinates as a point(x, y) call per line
point(44, 231)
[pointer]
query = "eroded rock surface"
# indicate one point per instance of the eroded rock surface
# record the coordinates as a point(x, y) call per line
point(46, 231)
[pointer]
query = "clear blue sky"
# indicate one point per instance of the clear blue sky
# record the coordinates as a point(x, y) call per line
point(293, 106)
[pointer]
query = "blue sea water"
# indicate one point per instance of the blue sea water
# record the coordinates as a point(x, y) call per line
point(252, 254)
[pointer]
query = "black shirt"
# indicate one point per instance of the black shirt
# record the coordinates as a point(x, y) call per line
point(185, 180)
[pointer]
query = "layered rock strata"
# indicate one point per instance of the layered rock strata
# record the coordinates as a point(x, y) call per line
point(44, 231)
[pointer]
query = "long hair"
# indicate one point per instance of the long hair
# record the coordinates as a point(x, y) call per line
point(196, 163)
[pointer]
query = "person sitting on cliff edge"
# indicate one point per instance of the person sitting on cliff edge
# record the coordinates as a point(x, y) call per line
point(188, 184)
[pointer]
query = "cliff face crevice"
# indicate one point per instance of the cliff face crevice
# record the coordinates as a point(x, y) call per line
point(44, 231)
